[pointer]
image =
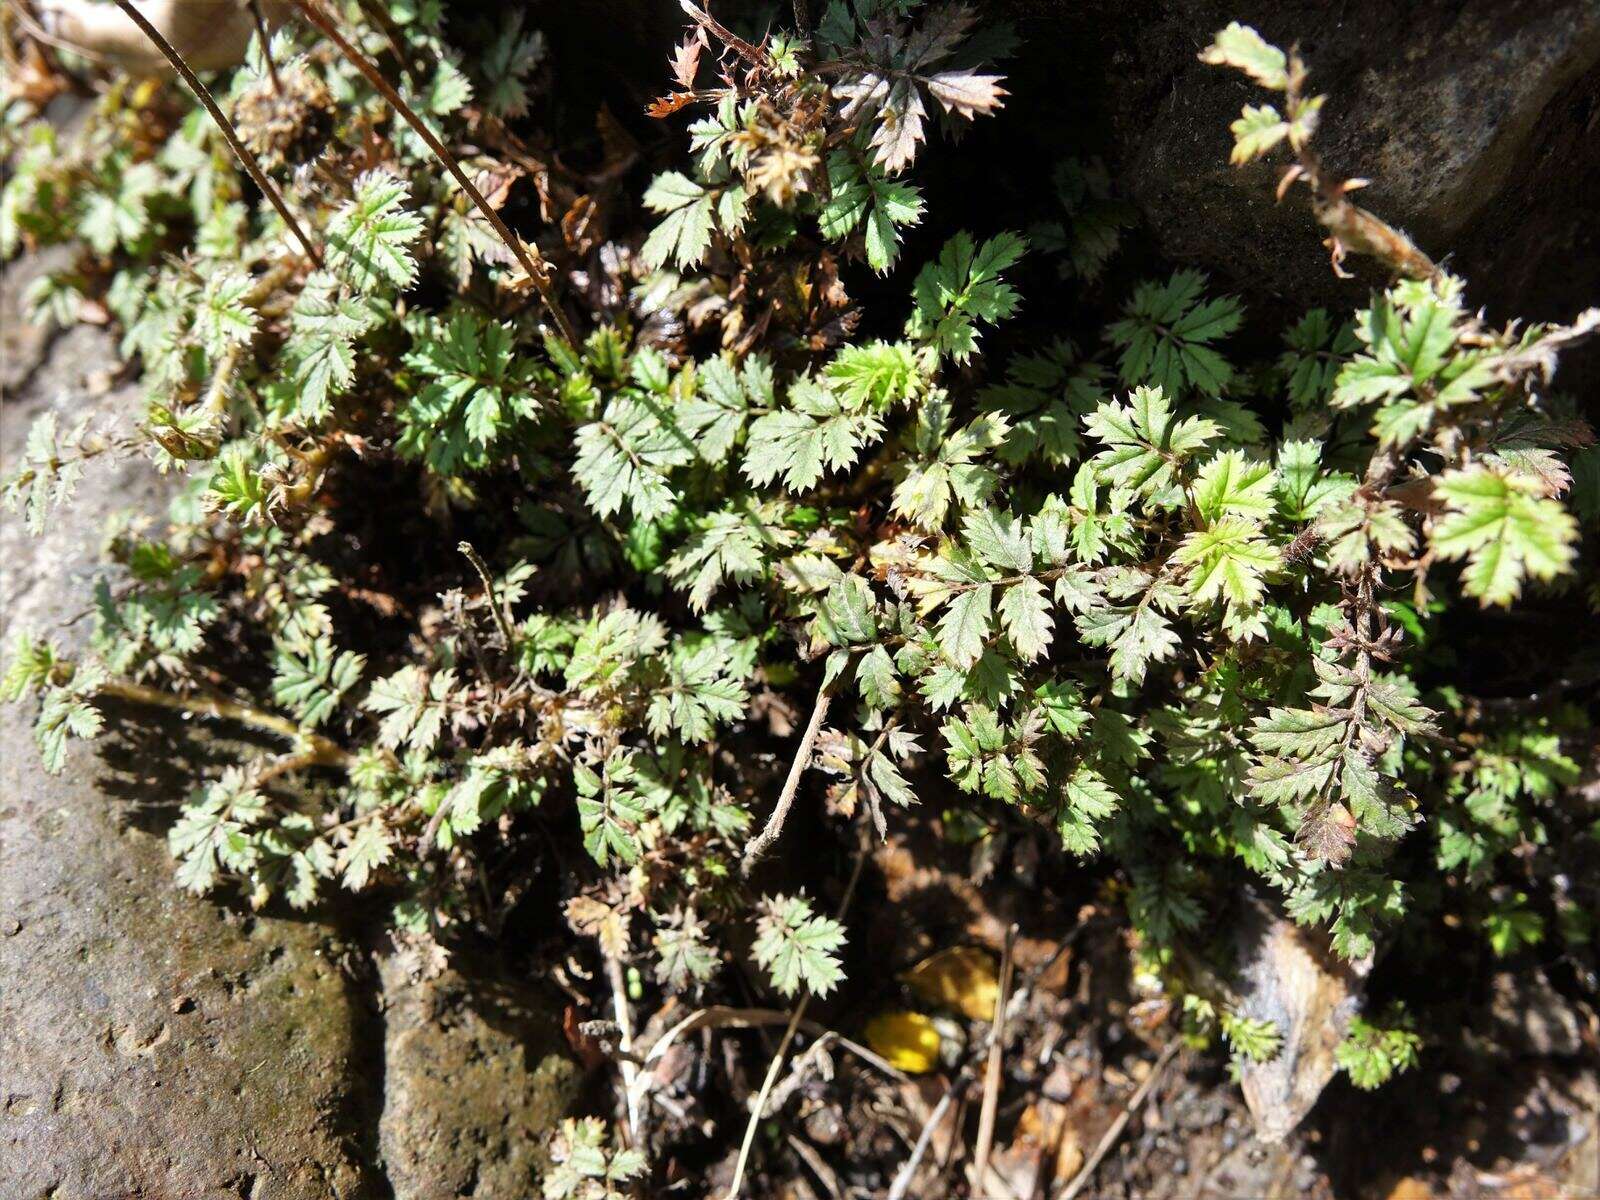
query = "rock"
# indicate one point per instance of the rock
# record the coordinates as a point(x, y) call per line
point(153, 1044)
point(1533, 1018)
point(1290, 976)
point(476, 1078)
point(1475, 121)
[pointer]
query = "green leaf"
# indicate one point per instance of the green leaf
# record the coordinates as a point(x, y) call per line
point(627, 455)
point(368, 850)
point(222, 318)
point(798, 948)
point(1231, 485)
point(414, 707)
point(1166, 333)
point(610, 811)
point(369, 239)
point(848, 614)
point(965, 625)
point(874, 376)
point(1144, 445)
point(714, 417)
point(1257, 131)
point(1505, 531)
point(311, 680)
point(1229, 561)
point(857, 194)
point(686, 232)
point(699, 692)
point(1241, 47)
point(1025, 613)
point(961, 289)
point(819, 432)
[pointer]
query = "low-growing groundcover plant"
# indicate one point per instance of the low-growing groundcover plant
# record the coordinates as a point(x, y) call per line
point(645, 542)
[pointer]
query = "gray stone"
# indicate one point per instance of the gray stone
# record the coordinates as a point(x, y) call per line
point(151, 1044)
point(476, 1078)
point(1291, 977)
point(1474, 120)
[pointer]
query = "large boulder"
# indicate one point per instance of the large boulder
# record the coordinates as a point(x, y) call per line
point(154, 1044)
point(1474, 119)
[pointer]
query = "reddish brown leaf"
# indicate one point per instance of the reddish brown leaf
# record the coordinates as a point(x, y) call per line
point(667, 105)
point(686, 59)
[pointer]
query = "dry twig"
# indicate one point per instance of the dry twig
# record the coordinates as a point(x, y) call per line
point(791, 785)
point(991, 1076)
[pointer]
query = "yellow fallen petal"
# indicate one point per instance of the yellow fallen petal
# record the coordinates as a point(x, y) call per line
point(963, 978)
point(907, 1039)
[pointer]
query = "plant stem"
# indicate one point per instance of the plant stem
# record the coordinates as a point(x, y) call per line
point(791, 785)
point(203, 94)
point(537, 269)
point(726, 36)
point(319, 751)
point(991, 1075)
point(265, 35)
point(374, 12)
point(490, 596)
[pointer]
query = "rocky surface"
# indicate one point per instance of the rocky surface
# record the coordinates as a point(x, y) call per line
point(1290, 977)
point(154, 1044)
point(1476, 120)
point(476, 1079)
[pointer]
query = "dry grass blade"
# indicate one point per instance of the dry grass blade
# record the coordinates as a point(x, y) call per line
point(991, 1076)
point(908, 1172)
point(203, 94)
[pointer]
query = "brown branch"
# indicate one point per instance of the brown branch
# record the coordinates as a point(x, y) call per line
point(203, 94)
point(490, 596)
point(1350, 226)
point(375, 13)
point(319, 751)
point(537, 269)
point(802, 758)
point(733, 41)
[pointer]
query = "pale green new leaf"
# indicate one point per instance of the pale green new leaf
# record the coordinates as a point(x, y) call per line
point(797, 947)
point(1504, 529)
point(1241, 47)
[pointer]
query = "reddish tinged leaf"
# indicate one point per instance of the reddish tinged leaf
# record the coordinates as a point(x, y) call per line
point(1329, 835)
point(667, 105)
point(686, 59)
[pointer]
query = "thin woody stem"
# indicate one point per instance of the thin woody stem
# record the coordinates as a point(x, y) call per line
point(537, 269)
point(722, 33)
point(319, 751)
point(263, 33)
point(791, 785)
point(491, 597)
point(203, 94)
point(374, 12)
